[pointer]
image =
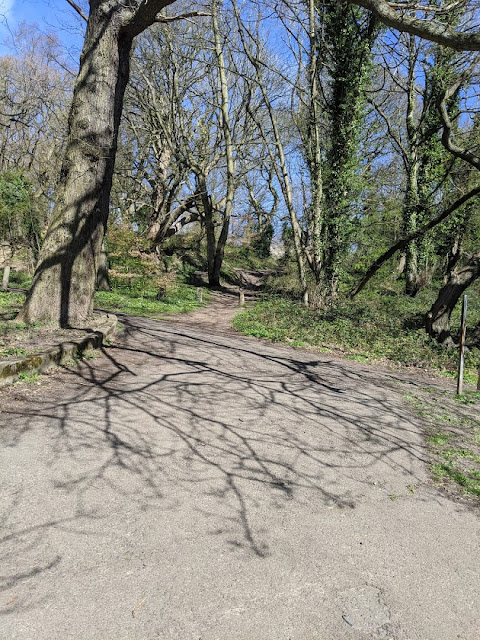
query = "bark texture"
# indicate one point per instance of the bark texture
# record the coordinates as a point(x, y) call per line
point(438, 318)
point(103, 280)
point(65, 277)
point(64, 282)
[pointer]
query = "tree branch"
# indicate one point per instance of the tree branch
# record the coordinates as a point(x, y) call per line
point(401, 244)
point(194, 216)
point(182, 16)
point(75, 6)
point(447, 141)
point(429, 29)
point(146, 15)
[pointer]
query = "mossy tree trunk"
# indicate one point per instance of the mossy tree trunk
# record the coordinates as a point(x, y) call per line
point(438, 318)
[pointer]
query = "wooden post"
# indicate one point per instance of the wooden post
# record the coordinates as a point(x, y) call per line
point(199, 295)
point(6, 277)
point(241, 298)
point(461, 355)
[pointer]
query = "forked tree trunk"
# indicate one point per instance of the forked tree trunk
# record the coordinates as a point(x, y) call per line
point(64, 281)
point(438, 318)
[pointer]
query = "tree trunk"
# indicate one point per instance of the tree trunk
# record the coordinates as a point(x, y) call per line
point(227, 134)
point(64, 281)
point(209, 222)
point(316, 222)
point(411, 202)
point(103, 281)
point(438, 318)
point(160, 219)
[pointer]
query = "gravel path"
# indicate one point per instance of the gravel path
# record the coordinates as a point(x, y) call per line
point(189, 484)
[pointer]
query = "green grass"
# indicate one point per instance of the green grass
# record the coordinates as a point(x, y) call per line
point(10, 303)
point(453, 437)
point(20, 280)
point(29, 376)
point(469, 480)
point(373, 329)
point(440, 439)
point(180, 298)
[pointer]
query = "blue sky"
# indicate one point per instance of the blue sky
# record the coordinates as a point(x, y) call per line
point(46, 15)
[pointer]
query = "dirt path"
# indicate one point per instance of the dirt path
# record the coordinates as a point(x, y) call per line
point(216, 316)
point(194, 485)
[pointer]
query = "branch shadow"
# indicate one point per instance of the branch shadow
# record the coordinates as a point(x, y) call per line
point(228, 428)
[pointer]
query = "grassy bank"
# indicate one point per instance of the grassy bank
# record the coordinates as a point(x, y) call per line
point(453, 437)
point(16, 338)
point(375, 328)
point(180, 298)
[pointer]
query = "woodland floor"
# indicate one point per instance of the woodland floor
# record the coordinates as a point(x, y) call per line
point(190, 483)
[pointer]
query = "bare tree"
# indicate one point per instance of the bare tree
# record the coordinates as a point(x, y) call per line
point(419, 19)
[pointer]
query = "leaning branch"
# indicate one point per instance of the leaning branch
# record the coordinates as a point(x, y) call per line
point(146, 15)
point(78, 9)
point(194, 216)
point(182, 16)
point(429, 29)
point(401, 244)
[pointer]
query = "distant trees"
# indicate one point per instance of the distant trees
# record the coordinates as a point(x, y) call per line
point(194, 144)
point(20, 222)
point(34, 96)
point(222, 126)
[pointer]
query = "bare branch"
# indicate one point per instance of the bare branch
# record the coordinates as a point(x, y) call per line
point(447, 141)
point(424, 28)
point(78, 9)
point(182, 16)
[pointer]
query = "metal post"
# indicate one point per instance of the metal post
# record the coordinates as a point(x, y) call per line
point(461, 355)
point(6, 277)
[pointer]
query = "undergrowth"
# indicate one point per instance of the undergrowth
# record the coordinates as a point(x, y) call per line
point(374, 328)
point(180, 298)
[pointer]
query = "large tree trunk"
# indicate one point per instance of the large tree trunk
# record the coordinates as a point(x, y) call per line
point(64, 282)
point(438, 318)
